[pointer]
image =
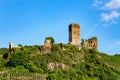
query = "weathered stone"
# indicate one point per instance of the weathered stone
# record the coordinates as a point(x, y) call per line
point(74, 34)
point(92, 43)
point(11, 46)
point(52, 66)
point(47, 46)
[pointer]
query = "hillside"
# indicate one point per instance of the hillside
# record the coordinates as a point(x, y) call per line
point(70, 63)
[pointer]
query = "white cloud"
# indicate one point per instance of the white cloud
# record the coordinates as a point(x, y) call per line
point(109, 16)
point(109, 11)
point(108, 24)
point(113, 4)
point(97, 2)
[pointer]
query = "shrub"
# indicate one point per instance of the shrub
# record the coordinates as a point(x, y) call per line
point(18, 59)
point(55, 47)
point(6, 55)
point(92, 51)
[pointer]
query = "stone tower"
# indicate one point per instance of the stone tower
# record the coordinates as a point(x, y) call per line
point(47, 46)
point(92, 43)
point(74, 34)
point(11, 45)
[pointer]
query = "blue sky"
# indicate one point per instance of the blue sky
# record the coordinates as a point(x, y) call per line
point(29, 22)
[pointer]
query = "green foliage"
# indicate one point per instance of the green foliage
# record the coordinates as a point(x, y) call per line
point(2, 64)
point(19, 59)
point(51, 38)
point(55, 47)
point(83, 42)
point(44, 67)
point(31, 67)
point(4, 50)
point(20, 45)
point(71, 48)
point(6, 55)
point(19, 69)
point(84, 64)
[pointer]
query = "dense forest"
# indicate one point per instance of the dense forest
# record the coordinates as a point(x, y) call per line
point(70, 63)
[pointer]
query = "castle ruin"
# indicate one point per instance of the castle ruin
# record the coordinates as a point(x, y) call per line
point(91, 43)
point(74, 38)
point(11, 47)
point(47, 46)
point(74, 34)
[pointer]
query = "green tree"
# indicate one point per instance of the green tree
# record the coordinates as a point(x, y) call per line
point(51, 38)
point(83, 42)
point(20, 45)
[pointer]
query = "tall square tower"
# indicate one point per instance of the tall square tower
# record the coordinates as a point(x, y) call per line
point(74, 34)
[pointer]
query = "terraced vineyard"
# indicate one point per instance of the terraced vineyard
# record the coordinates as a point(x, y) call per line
point(71, 63)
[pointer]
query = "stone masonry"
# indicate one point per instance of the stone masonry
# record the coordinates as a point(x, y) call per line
point(47, 46)
point(11, 45)
point(74, 38)
point(74, 34)
point(92, 43)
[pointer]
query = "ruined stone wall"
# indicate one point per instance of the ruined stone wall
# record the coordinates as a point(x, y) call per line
point(11, 45)
point(47, 46)
point(92, 43)
point(74, 34)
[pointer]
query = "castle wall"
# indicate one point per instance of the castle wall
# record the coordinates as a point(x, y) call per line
point(92, 43)
point(47, 46)
point(74, 34)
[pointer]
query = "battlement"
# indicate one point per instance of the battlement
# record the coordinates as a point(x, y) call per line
point(92, 43)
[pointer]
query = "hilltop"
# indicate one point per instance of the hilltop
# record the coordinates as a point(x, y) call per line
point(70, 63)
point(51, 61)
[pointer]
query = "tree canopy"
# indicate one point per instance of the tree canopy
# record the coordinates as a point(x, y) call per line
point(51, 38)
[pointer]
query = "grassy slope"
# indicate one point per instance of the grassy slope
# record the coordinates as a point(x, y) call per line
point(81, 64)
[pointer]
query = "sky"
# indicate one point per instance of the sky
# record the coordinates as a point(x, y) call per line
point(29, 22)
